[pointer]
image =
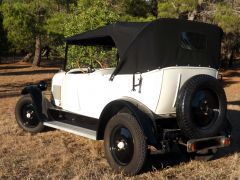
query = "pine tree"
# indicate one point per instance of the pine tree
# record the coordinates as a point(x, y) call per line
point(24, 21)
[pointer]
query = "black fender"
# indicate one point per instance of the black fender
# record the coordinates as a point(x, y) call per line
point(40, 103)
point(138, 110)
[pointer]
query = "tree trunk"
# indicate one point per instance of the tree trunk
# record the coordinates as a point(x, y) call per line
point(192, 15)
point(37, 55)
point(154, 8)
point(230, 58)
point(68, 6)
point(28, 57)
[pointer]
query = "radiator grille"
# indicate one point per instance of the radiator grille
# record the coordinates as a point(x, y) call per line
point(57, 92)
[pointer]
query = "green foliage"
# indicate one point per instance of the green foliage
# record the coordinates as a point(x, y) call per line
point(174, 8)
point(88, 16)
point(55, 28)
point(56, 19)
point(136, 8)
point(185, 5)
point(18, 25)
point(23, 20)
point(167, 10)
point(227, 18)
point(91, 14)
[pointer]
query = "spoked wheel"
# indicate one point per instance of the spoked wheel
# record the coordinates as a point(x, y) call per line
point(26, 116)
point(201, 107)
point(125, 144)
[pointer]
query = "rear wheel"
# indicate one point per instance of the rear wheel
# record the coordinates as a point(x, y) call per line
point(125, 144)
point(26, 116)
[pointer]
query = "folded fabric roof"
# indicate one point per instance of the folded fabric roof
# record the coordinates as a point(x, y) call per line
point(119, 35)
point(145, 46)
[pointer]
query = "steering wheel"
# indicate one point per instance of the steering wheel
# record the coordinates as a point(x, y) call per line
point(100, 64)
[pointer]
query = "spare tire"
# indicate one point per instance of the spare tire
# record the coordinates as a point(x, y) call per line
point(201, 107)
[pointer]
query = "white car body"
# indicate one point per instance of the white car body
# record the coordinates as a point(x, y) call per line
point(163, 91)
point(88, 93)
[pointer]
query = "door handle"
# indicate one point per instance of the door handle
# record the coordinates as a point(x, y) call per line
point(137, 84)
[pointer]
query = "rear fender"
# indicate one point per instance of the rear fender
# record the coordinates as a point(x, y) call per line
point(142, 115)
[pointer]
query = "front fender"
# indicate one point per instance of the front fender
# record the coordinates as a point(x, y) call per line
point(40, 103)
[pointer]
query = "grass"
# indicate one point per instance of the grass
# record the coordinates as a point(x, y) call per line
point(58, 155)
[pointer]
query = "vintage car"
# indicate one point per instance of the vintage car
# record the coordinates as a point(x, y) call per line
point(164, 90)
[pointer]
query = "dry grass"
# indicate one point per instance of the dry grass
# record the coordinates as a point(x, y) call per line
point(59, 155)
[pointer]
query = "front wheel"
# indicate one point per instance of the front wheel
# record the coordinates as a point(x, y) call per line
point(125, 144)
point(26, 116)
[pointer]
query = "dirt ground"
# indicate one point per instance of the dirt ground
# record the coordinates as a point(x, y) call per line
point(58, 155)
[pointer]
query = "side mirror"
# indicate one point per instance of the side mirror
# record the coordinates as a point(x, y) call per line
point(42, 85)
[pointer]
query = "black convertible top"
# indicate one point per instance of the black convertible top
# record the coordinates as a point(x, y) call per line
point(145, 46)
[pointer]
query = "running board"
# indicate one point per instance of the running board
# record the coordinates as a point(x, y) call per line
point(72, 129)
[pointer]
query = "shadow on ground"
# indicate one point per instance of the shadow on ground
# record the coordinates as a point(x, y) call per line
point(234, 103)
point(14, 67)
point(30, 72)
point(13, 85)
point(228, 74)
point(9, 90)
point(160, 161)
point(227, 83)
point(234, 117)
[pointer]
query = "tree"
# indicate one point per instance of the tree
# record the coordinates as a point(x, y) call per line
point(178, 8)
point(3, 38)
point(33, 24)
point(227, 16)
point(24, 21)
point(154, 8)
point(65, 4)
point(88, 15)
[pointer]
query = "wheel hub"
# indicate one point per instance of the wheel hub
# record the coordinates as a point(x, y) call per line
point(29, 114)
point(204, 107)
point(121, 145)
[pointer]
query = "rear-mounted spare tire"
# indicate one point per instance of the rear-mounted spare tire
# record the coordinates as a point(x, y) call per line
point(201, 107)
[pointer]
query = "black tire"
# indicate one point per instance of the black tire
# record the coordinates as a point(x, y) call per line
point(26, 116)
point(201, 107)
point(124, 130)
